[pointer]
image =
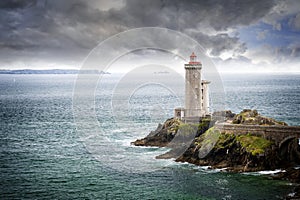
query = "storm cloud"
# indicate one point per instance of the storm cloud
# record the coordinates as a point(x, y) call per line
point(65, 31)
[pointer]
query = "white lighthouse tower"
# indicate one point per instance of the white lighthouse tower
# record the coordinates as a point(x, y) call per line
point(196, 92)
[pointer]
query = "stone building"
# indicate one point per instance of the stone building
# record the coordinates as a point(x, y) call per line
point(196, 92)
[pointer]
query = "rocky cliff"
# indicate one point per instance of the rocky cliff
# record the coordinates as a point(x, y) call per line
point(252, 117)
point(206, 145)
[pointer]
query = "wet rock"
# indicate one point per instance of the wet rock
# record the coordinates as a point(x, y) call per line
point(293, 175)
point(183, 134)
point(238, 153)
point(229, 152)
point(162, 136)
point(290, 174)
point(295, 195)
point(223, 150)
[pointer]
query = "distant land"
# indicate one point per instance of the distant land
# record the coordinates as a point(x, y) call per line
point(51, 71)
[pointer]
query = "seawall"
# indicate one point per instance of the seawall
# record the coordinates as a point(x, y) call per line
point(278, 134)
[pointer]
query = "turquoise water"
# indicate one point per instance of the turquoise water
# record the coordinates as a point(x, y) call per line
point(44, 156)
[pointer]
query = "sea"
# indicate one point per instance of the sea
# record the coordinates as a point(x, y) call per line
point(50, 148)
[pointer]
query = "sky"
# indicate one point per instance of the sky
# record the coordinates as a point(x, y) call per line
point(239, 36)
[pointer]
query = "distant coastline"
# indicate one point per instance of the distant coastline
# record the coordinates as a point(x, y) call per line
point(51, 71)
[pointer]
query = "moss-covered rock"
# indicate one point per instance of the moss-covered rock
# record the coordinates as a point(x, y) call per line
point(224, 150)
point(254, 144)
point(172, 128)
point(163, 134)
point(201, 145)
point(252, 117)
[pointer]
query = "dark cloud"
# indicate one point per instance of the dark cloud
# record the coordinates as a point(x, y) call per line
point(16, 4)
point(68, 30)
point(219, 43)
point(180, 15)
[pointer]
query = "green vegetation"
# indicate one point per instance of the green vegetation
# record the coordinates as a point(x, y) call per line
point(206, 142)
point(246, 115)
point(188, 129)
point(211, 136)
point(253, 144)
point(225, 140)
point(252, 117)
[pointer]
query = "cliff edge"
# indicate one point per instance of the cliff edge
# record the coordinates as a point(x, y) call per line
point(208, 145)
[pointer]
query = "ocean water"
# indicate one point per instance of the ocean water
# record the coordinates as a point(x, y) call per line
point(46, 154)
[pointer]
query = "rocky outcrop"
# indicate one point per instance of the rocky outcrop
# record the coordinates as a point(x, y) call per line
point(295, 195)
point(293, 175)
point(162, 136)
point(252, 117)
point(241, 153)
point(249, 151)
point(222, 149)
point(207, 145)
point(174, 129)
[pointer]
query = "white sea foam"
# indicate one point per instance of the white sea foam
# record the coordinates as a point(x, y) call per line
point(221, 169)
point(266, 172)
point(271, 172)
point(292, 194)
point(204, 167)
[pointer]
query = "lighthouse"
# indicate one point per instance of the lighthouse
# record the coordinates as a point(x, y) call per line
point(196, 92)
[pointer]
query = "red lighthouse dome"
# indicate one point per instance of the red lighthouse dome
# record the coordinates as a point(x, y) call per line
point(193, 59)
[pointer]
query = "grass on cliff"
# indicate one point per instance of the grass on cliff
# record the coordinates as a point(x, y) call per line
point(206, 142)
point(210, 137)
point(213, 138)
point(187, 129)
point(254, 144)
point(226, 140)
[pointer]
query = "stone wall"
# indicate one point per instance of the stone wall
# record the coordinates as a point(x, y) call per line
point(275, 133)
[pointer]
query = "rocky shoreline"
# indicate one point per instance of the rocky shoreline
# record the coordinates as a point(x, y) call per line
point(204, 145)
